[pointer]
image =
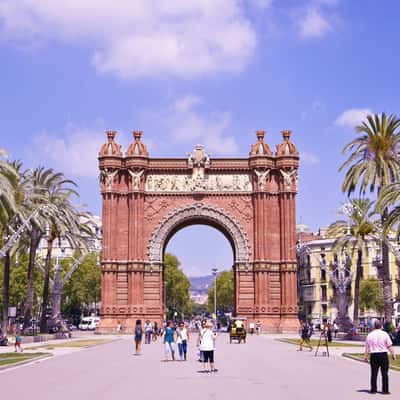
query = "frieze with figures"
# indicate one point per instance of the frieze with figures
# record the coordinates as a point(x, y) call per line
point(189, 183)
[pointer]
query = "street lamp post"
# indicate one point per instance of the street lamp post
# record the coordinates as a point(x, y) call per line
point(214, 272)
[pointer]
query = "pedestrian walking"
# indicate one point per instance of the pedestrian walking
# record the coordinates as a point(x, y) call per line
point(18, 342)
point(155, 331)
point(182, 340)
point(138, 336)
point(148, 330)
point(201, 330)
point(169, 339)
point(377, 346)
point(305, 335)
point(335, 329)
point(258, 327)
point(207, 346)
point(251, 327)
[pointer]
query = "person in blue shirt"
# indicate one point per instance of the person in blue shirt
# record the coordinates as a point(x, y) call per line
point(169, 339)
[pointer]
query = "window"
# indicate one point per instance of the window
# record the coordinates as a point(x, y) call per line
point(324, 309)
point(323, 274)
point(323, 293)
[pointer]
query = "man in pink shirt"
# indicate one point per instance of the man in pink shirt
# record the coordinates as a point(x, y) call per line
point(377, 344)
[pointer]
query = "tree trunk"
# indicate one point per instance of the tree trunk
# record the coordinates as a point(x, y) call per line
point(6, 289)
point(386, 278)
point(357, 288)
point(57, 290)
point(35, 239)
point(46, 284)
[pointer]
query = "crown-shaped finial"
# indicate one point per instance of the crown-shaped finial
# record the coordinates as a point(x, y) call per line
point(137, 148)
point(111, 148)
point(260, 135)
point(137, 134)
point(111, 135)
point(286, 135)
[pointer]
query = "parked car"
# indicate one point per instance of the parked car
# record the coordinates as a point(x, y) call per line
point(89, 323)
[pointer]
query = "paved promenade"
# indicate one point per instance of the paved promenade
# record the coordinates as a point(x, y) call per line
point(263, 368)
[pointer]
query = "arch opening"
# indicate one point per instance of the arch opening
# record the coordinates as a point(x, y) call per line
point(203, 214)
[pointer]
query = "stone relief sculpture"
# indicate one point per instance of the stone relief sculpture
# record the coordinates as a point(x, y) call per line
point(135, 178)
point(288, 177)
point(262, 177)
point(187, 183)
point(107, 177)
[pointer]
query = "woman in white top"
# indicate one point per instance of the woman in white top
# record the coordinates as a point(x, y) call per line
point(182, 340)
point(207, 346)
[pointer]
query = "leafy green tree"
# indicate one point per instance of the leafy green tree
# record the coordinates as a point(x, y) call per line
point(177, 286)
point(372, 165)
point(199, 309)
point(371, 295)
point(355, 234)
point(83, 288)
point(225, 292)
point(19, 284)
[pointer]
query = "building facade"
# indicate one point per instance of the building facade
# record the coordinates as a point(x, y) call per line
point(316, 261)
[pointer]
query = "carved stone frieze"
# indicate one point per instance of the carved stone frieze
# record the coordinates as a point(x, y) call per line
point(166, 183)
point(205, 212)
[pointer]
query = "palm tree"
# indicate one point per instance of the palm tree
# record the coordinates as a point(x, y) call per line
point(41, 180)
point(8, 181)
point(356, 233)
point(8, 206)
point(372, 165)
point(390, 197)
point(59, 222)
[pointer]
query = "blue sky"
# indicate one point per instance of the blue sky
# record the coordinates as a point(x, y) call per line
point(190, 71)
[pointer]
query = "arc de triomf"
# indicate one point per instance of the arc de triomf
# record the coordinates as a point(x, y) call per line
point(250, 200)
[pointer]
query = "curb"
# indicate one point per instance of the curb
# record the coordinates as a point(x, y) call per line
point(19, 363)
point(355, 358)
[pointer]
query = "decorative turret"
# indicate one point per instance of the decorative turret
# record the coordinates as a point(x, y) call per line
point(286, 148)
point(137, 148)
point(111, 148)
point(260, 148)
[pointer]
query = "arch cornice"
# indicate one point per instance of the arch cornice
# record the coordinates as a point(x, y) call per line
point(207, 213)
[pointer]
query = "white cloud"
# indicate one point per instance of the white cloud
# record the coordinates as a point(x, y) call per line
point(185, 123)
point(312, 23)
point(309, 158)
point(352, 117)
point(140, 38)
point(74, 153)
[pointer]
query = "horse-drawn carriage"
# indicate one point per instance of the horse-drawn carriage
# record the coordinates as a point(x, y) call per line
point(237, 330)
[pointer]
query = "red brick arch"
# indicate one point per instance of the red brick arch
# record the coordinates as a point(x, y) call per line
point(250, 200)
point(199, 213)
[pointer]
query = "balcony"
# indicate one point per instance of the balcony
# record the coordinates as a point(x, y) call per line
point(307, 281)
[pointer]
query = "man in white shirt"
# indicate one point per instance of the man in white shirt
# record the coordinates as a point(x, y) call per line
point(377, 344)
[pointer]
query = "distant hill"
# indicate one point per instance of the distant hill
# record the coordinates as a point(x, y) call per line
point(201, 284)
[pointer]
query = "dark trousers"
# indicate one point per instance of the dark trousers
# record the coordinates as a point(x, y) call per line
point(148, 337)
point(379, 360)
point(182, 347)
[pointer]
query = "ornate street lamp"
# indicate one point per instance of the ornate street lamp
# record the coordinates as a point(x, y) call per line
point(341, 278)
point(214, 272)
